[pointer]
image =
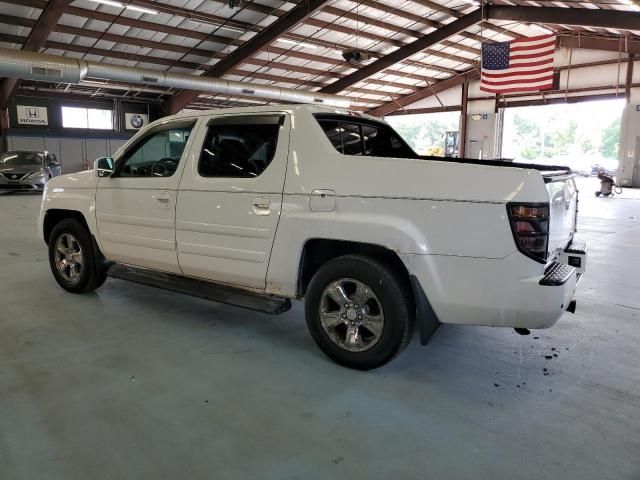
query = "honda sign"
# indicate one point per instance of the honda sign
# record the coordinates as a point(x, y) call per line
point(28, 115)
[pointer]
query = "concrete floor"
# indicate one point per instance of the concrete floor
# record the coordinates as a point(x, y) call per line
point(138, 383)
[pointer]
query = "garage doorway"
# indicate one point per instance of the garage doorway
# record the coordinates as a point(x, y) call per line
point(584, 136)
point(428, 133)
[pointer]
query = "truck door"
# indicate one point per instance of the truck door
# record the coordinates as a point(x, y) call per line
point(230, 199)
point(135, 206)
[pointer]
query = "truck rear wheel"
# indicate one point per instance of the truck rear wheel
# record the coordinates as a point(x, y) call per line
point(359, 311)
point(72, 258)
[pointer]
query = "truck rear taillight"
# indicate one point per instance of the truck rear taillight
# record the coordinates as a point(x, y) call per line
point(530, 227)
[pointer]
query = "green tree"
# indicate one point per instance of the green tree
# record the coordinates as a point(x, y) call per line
point(408, 131)
point(587, 145)
point(529, 137)
point(560, 140)
point(611, 139)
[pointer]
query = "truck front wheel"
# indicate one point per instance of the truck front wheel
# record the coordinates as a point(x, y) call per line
point(72, 258)
point(359, 311)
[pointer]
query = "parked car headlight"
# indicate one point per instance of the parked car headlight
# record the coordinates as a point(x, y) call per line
point(35, 175)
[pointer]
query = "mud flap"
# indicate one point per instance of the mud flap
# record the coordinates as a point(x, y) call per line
point(427, 320)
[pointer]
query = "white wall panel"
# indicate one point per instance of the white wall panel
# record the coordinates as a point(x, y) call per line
point(96, 148)
point(27, 143)
point(72, 153)
point(114, 145)
point(452, 96)
point(52, 144)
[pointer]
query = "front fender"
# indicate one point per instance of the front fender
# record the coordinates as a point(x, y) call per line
point(75, 192)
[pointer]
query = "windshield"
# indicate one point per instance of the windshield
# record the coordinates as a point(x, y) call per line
point(21, 158)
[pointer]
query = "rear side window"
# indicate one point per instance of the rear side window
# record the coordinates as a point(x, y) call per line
point(241, 147)
point(332, 131)
point(364, 138)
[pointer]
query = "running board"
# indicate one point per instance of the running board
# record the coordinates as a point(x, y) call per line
point(201, 289)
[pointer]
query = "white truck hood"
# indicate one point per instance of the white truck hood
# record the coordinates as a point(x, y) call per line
point(84, 179)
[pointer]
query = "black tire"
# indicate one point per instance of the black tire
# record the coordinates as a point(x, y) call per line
point(395, 299)
point(92, 273)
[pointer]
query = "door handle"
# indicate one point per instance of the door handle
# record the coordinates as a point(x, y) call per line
point(261, 206)
point(163, 198)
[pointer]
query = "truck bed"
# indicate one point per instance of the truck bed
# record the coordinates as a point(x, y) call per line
point(549, 172)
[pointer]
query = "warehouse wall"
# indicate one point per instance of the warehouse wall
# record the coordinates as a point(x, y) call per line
point(484, 125)
point(74, 147)
point(483, 140)
point(70, 151)
point(629, 153)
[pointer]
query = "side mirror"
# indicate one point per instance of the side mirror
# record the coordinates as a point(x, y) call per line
point(104, 167)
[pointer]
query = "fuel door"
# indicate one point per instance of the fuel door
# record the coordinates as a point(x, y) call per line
point(322, 200)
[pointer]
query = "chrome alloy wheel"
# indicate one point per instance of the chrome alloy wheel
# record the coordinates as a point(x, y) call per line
point(351, 315)
point(68, 257)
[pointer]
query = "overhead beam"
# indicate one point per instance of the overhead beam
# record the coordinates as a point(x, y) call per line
point(623, 20)
point(588, 42)
point(384, 39)
point(249, 48)
point(395, 107)
point(405, 52)
point(624, 45)
point(464, 101)
point(200, 36)
point(45, 24)
point(322, 76)
point(629, 80)
point(585, 17)
point(426, 92)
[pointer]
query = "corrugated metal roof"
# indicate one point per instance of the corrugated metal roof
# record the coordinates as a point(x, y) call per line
point(192, 35)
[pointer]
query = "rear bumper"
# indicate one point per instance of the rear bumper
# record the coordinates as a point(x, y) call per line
point(510, 292)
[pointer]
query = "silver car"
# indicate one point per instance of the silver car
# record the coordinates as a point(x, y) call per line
point(27, 171)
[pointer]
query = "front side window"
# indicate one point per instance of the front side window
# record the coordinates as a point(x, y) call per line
point(240, 147)
point(363, 137)
point(157, 155)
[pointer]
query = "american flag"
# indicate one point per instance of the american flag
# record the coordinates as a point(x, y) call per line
point(521, 65)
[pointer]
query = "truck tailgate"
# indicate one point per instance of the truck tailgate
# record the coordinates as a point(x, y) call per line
point(563, 204)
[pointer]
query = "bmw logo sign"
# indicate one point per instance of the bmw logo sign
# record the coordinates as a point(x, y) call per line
point(136, 121)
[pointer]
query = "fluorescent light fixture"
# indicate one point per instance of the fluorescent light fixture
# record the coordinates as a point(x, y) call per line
point(109, 2)
point(135, 8)
point(293, 42)
point(216, 25)
point(231, 29)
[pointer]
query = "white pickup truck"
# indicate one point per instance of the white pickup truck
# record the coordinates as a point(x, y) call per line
point(258, 206)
